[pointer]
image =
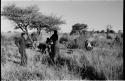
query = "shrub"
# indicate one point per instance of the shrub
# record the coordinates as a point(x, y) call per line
point(111, 31)
point(109, 37)
point(72, 32)
point(64, 38)
point(80, 41)
point(72, 44)
point(94, 43)
point(102, 31)
point(117, 38)
point(118, 41)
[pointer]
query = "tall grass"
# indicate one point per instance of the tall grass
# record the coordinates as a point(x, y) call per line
point(99, 64)
point(106, 56)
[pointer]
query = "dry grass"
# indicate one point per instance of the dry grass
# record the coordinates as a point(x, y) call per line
point(100, 63)
point(107, 57)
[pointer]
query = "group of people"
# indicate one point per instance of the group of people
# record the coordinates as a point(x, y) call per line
point(50, 45)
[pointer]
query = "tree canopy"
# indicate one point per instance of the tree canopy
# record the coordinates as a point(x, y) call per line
point(21, 16)
point(31, 18)
point(78, 28)
point(48, 23)
point(111, 31)
point(102, 31)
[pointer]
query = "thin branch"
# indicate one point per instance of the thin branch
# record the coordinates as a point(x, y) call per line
point(22, 29)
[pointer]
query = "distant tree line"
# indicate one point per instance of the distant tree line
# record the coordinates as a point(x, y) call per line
point(79, 28)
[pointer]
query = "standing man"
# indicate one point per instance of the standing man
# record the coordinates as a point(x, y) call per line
point(54, 39)
point(21, 44)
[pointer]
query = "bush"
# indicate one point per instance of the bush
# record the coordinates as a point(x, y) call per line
point(72, 44)
point(109, 37)
point(64, 38)
point(102, 31)
point(72, 32)
point(81, 41)
point(111, 31)
point(94, 43)
point(118, 40)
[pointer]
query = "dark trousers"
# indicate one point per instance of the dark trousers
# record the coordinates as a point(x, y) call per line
point(53, 51)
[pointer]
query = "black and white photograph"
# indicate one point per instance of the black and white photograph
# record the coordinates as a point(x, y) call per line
point(61, 40)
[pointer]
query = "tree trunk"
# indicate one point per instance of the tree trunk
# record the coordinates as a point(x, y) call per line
point(29, 37)
point(30, 40)
point(26, 31)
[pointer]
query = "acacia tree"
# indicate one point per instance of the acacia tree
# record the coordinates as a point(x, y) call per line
point(47, 23)
point(22, 17)
point(78, 28)
point(30, 18)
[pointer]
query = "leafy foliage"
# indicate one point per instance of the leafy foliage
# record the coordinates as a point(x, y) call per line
point(64, 38)
point(78, 28)
point(48, 23)
point(102, 31)
point(31, 18)
point(112, 31)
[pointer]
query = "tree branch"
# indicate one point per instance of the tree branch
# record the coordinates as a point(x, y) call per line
point(22, 29)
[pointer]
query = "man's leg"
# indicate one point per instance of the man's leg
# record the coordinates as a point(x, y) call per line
point(53, 51)
point(23, 57)
point(51, 54)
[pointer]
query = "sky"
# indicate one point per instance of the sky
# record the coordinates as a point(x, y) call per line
point(97, 14)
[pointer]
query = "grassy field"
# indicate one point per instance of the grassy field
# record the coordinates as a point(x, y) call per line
point(104, 61)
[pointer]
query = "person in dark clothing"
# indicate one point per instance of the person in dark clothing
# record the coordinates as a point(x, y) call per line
point(54, 39)
point(48, 45)
point(42, 47)
point(86, 44)
point(21, 44)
